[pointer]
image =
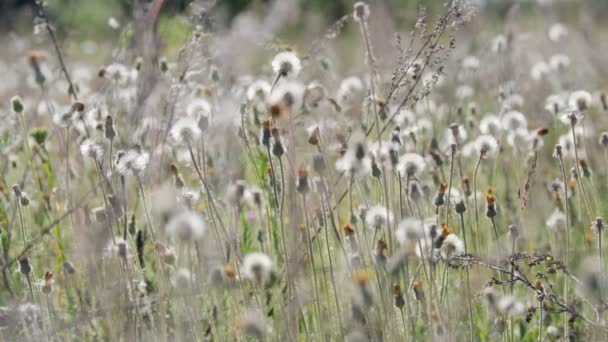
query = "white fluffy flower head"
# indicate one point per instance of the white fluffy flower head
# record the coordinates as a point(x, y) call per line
point(186, 226)
point(185, 131)
point(377, 217)
point(257, 267)
point(286, 64)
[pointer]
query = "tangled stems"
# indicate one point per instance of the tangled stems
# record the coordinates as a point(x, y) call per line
point(470, 307)
point(481, 155)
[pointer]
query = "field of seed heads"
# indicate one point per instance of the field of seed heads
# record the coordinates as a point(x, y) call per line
point(444, 181)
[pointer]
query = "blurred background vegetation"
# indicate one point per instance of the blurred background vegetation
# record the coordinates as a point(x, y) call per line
point(88, 19)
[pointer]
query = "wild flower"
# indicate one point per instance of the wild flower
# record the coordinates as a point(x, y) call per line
point(356, 160)
point(409, 232)
point(514, 120)
point(411, 165)
point(182, 278)
point(198, 108)
point(471, 63)
point(91, 149)
point(499, 43)
point(455, 134)
point(464, 92)
point(258, 91)
point(598, 224)
point(490, 124)
point(486, 145)
point(302, 182)
point(116, 72)
point(186, 226)
point(555, 103)
point(118, 248)
point(350, 91)
point(314, 93)
point(378, 217)
point(257, 267)
point(132, 162)
point(580, 100)
point(404, 118)
point(253, 323)
point(185, 131)
point(604, 139)
point(286, 98)
point(452, 246)
point(361, 11)
point(540, 71)
point(557, 32)
point(416, 190)
point(508, 305)
point(254, 197)
point(556, 220)
point(286, 64)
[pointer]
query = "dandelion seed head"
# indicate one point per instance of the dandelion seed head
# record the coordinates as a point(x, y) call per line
point(356, 160)
point(257, 267)
point(181, 278)
point(286, 64)
point(253, 323)
point(452, 246)
point(411, 165)
point(350, 91)
point(91, 149)
point(557, 32)
point(514, 120)
point(186, 226)
point(378, 217)
point(132, 162)
point(487, 145)
point(556, 220)
point(555, 103)
point(361, 11)
point(119, 248)
point(198, 108)
point(185, 131)
point(471, 63)
point(540, 71)
point(508, 305)
point(464, 92)
point(258, 91)
point(286, 98)
point(499, 43)
point(580, 100)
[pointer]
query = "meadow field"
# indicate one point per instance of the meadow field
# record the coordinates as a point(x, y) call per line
point(384, 171)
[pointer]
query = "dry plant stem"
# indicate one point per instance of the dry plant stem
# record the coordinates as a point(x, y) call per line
point(601, 265)
point(108, 209)
point(370, 64)
point(49, 29)
point(481, 155)
point(21, 223)
point(145, 205)
point(540, 325)
point(331, 266)
point(207, 191)
point(312, 261)
point(466, 252)
point(568, 219)
point(579, 174)
point(448, 200)
point(273, 177)
point(28, 278)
